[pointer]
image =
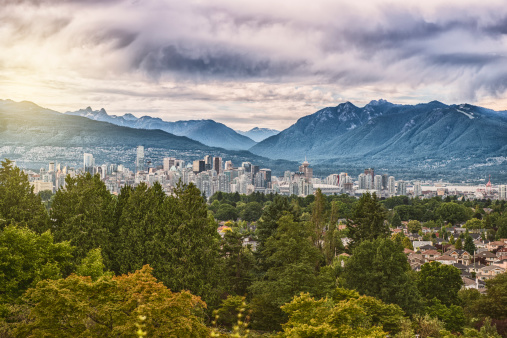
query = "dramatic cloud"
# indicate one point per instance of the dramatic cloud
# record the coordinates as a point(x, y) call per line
point(249, 63)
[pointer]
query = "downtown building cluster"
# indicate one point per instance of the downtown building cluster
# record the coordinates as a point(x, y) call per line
point(213, 174)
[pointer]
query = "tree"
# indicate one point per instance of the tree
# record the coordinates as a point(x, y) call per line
point(27, 258)
point(292, 260)
point(436, 280)
point(474, 223)
point(396, 222)
point(494, 303)
point(414, 226)
point(18, 203)
point(380, 269)
point(226, 212)
point(318, 219)
point(252, 212)
point(459, 244)
point(193, 257)
point(453, 213)
point(110, 307)
point(238, 263)
point(367, 221)
point(407, 243)
point(82, 213)
point(92, 265)
point(469, 245)
point(354, 316)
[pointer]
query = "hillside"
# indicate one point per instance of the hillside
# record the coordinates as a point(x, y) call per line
point(207, 132)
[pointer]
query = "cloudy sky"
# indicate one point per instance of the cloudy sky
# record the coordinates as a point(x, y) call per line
point(250, 63)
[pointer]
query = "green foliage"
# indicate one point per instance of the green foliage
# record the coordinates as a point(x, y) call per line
point(226, 212)
point(459, 244)
point(474, 223)
point(380, 269)
point(18, 203)
point(109, 307)
point(453, 213)
point(452, 316)
point(252, 212)
point(82, 213)
point(92, 265)
point(293, 263)
point(367, 221)
point(414, 226)
point(27, 258)
point(351, 317)
point(494, 303)
point(238, 263)
point(469, 245)
point(396, 221)
point(440, 281)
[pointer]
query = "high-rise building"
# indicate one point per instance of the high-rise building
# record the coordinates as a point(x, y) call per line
point(371, 172)
point(103, 171)
point(342, 180)
point(254, 170)
point(88, 163)
point(361, 181)
point(402, 188)
point(208, 162)
point(377, 183)
point(217, 164)
point(503, 192)
point(140, 159)
point(168, 163)
point(51, 166)
point(417, 188)
point(228, 165)
point(198, 166)
point(385, 181)
point(391, 186)
point(306, 170)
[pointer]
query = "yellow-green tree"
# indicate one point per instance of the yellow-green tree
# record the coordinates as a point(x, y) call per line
point(109, 307)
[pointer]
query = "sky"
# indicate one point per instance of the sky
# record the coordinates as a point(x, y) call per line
point(262, 63)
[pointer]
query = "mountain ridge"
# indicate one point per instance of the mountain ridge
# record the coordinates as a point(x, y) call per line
point(206, 131)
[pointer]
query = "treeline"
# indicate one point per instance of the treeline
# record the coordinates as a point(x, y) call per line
point(103, 265)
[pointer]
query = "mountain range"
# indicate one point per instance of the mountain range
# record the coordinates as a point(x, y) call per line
point(386, 134)
point(425, 140)
point(33, 136)
point(208, 132)
point(259, 134)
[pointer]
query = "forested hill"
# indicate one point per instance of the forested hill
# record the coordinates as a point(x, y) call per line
point(105, 266)
point(423, 136)
point(33, 136)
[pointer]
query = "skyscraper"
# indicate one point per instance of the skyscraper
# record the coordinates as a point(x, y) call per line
point(306, 170)
point(402, 188)
point(140, 159)
point(217, 164)
point(391, 186)
point(503, 192)
point(88, 163)
point(417, 188)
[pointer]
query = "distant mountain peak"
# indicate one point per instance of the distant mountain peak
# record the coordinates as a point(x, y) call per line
point(378, 102)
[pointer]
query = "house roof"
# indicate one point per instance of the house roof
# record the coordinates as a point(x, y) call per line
point(485, 254)
point(445, 258)
point(491, 267)
point(460, 266)
point(431, 252)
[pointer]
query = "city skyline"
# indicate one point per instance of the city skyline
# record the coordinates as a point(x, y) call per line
point(252, 64)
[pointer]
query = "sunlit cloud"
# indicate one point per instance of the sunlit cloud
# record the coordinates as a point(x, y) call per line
point(250, 63)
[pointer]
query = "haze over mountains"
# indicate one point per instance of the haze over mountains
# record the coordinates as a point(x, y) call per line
point(383, 134)
point(421, 139)
point(33, 136)
point(208, 132)
point(259, 134)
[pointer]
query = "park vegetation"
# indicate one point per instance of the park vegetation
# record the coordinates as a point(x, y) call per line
point(86, 263)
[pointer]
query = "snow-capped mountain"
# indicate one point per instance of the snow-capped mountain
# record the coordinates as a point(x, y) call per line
point(259, 134)
point(208, 132)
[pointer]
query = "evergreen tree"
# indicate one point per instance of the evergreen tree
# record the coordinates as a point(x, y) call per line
point(459, 244)
point(469, 245)
point(380, 269)
point(83, 213)
point(396, 222)
point(367, 221)
point(18, 203)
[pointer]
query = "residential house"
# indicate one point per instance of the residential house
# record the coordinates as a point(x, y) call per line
point(488, 256)
point(495, 245)
point(445, 259)
point(426, 248)
point(417, 244)
point(489, 272)
point(461, 256)
point(430, 255)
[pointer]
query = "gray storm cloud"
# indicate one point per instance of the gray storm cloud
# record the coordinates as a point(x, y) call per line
point(460, 45)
